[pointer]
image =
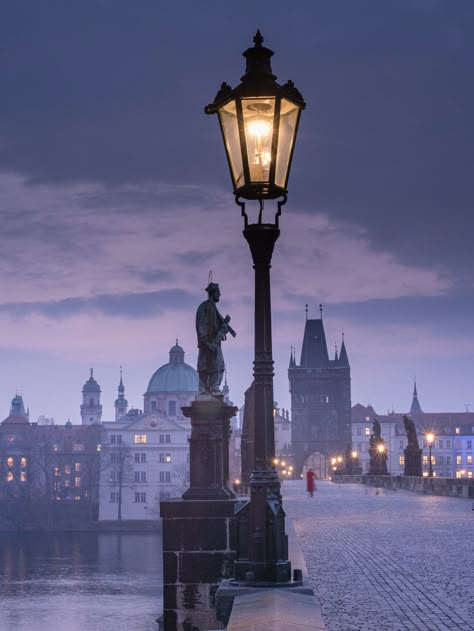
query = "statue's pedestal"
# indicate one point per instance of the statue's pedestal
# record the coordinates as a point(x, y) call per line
point(199, 529)
point(198, 552)
point(209, 448)
point(412, 462)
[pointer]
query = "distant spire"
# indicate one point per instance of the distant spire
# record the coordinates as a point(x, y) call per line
point(121, 387)
point(336, 358)
point(415, 404)
point(321, 311)
point(343, 359)
point(306, 311)
point(292, 358)
point(225, 388)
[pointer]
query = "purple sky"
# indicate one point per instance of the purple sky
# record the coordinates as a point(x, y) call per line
point(115, 197)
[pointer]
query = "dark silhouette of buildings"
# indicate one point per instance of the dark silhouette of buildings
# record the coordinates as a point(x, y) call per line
point(320, 397)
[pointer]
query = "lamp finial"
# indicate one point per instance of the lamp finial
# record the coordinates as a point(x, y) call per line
point(258, 39)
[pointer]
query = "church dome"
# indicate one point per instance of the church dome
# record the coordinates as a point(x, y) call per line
point(91, 384)
point(175, 376)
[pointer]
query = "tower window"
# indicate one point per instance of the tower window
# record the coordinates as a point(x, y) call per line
point(91, 403)
point(153, 405)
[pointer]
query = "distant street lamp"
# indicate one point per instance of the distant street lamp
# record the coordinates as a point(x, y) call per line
point(430, 440)
point(259, 120)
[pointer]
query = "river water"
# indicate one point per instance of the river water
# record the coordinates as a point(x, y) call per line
point(80, 582)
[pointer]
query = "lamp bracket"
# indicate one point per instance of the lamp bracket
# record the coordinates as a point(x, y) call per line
point(261, 202)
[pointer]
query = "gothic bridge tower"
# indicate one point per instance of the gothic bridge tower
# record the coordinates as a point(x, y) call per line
point(320, 398)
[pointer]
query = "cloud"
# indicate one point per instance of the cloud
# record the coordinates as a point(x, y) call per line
point(139, 305)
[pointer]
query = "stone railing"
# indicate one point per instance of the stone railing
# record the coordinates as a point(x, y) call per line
point(449, 487)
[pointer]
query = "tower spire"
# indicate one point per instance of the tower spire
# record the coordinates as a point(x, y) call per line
point(121, 403)
point(343, 359)
point(415, 404)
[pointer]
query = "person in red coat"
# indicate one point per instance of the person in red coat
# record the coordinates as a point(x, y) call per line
point(310, 485)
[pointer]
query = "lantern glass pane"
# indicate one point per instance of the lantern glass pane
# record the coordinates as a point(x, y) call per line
point(230, 130)
point(258, 115)
point(286, 138)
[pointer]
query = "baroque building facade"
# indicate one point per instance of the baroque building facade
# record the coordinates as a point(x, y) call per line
point(452, 453)
point(145, 455)
point(320, 391)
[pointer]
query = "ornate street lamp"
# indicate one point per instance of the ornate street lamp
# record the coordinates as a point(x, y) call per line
point(259, 120)
point(430, 440)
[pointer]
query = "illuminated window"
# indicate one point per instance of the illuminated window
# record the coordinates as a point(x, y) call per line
point(99, 447)
point(469, 458)
point(433, 460)
point(9, 461)
point(56, 471)
point(77, 466)
point(67, 469)
point(459, 474)
point(77, 481)
point(22, 476)
point(458, 459)
point(469, 474)
point(367, 431)
point(140, 439)
point(22, 462)
point(457, 430)
point(425, 459)
point(367, 418)
point(9, 476)
point(77, 498)
point(55, 447)
point(78, 447)
point(165, 457)
point(402, 460)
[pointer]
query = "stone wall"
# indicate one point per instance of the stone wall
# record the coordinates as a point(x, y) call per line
point(449, 487)
point(198, 552)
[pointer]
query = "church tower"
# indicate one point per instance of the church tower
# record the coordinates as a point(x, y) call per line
point(121, 403)
point(320, 397)
point(91, 409)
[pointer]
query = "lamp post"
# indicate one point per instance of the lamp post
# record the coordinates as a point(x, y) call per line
point(430, 440)
point(259, 120)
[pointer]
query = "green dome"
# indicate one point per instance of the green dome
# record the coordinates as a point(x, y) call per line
point(176, 376)
point(91, 384)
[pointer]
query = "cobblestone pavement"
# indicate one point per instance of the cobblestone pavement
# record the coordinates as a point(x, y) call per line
point(381, 560)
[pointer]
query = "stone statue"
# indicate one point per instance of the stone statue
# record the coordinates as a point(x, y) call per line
point(376, 429)
point(412, 452)
point(377, 451)
point(211, 329)
point(411, 432)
